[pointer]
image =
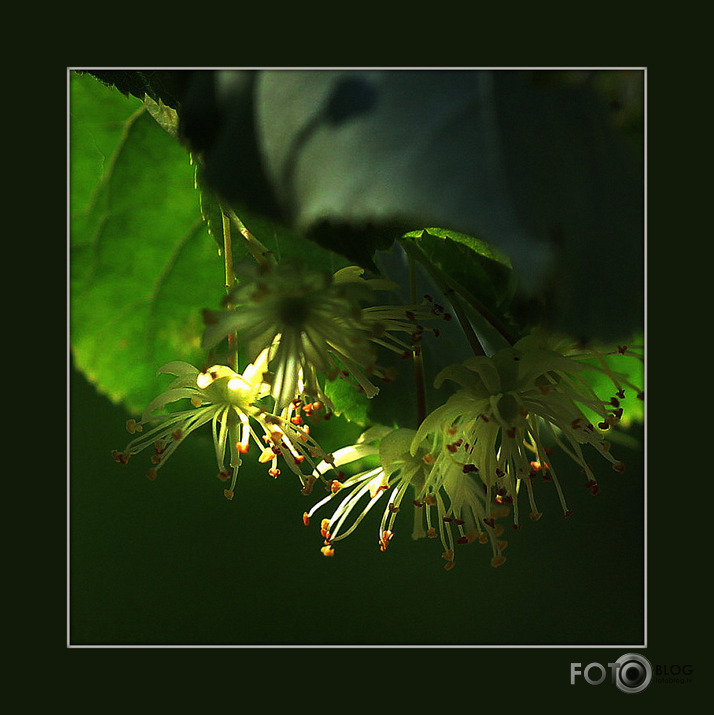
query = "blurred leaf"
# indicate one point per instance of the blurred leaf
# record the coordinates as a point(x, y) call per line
point(530, 162)
point(141, 264)
point(577, 183)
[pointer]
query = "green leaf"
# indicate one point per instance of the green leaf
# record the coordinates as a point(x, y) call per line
point(633, 370)
point(141, 264)
point(98, 118)
point(475, 278)
point(477, 246)
point(348, 401)
point(469, 261)
point(163, 86)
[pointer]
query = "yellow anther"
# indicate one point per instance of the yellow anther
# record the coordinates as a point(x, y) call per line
point(384, 541)
point(498, 561)
point(327, 551)
point(266, 456)
point(133, 426)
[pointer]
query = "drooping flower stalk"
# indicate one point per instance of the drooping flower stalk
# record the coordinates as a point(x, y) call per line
point(230, 284)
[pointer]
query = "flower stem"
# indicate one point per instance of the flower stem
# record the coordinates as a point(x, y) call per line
point(260, 253)
point(230, 282)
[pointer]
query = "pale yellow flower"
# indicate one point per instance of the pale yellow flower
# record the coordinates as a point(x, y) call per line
point(511, 407)
point(232, 404)
point(446, 501)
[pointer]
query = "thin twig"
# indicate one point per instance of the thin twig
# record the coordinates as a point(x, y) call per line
point(260, 253)
point(230, 282)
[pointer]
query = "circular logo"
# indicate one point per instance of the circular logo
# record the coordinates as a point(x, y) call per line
point(634, 673)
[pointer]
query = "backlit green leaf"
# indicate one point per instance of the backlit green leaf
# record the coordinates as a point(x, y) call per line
point(141, 264)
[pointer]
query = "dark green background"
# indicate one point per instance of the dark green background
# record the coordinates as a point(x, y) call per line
point(172, 562)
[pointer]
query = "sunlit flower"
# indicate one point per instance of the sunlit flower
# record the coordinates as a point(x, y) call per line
point(447, 502)
point(313, 323)
point(511, 407)
point(231, 403)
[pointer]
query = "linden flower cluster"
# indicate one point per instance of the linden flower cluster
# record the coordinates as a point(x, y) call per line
point(511, 406)
point(296, 324)
point(465, 466)
point(447, 503)
point(470, 457)
point(313, 323)
point(232, 404)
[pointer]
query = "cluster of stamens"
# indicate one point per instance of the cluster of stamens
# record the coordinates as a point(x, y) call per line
point(231, 403)
point(465, 465)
